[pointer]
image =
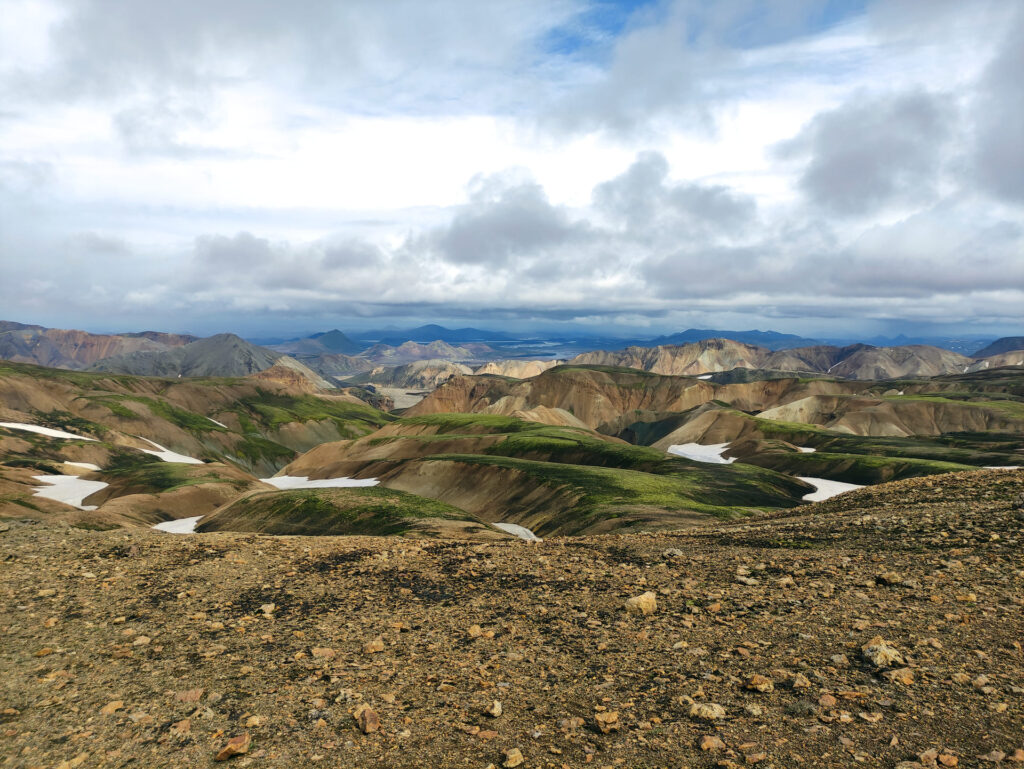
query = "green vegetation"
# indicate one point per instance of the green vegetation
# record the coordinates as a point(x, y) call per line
point(79, 378)
point(63, 420)
point(157, 477)
point(255, 449)
point(366, 510)
point(183, 418)
point(352, 419)
point(864, 469)
point(471, 424)
point(603, 491)
point(113, 404)
point(617, 371)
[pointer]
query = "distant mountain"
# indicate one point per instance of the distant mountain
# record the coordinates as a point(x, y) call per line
point(1000, 346)
point(965, 345)
point(421, 374)
point(772, 340)
point(852, 362)
point(73, 349)
point(220, 355)
point(336, 341)
point(433, 332)
point(407, 352)
point(326, 342)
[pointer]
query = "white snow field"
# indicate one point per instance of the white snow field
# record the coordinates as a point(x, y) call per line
point(170, 456)
point(45, 431)
point(179, 526)
point(520, 531)
point(826, 489)
point(712, 453)
point(85, 465)
point(303, 482)
point(806, 449)
point(69, 489)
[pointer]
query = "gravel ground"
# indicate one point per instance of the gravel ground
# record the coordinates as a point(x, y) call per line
point(881, 628)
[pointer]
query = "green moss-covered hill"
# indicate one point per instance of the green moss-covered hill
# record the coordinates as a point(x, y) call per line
point(369, 511)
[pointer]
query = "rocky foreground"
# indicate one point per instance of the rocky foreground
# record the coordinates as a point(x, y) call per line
point(882, 628)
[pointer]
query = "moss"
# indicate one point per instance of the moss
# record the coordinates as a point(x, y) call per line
point(63, 420)
point(717, 491)
point(616, 371)
point(21, 501)
point(255, 449)
point(471, 423)
point(43, 465)
point(183, 418)
point(366, 510)
point(864, 469)
point(79, 378)
point(352, 419)
point(157, 477)
point(113, 404)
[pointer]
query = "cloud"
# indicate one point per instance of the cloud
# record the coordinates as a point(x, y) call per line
point(507, 216)
point(647, 203)
point(873, 151)
point(1000, 119)
point(252, 162)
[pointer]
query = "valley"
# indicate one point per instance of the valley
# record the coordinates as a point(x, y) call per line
point(556, 448)
point(262, 556)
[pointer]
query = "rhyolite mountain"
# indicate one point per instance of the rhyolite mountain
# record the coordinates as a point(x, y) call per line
point(219, 355)
point(772, 340)
point(853, 362)
point(73, 349)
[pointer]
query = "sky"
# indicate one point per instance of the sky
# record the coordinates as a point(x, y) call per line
point(822, 167)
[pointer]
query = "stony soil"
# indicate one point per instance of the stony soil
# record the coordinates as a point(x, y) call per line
point(879, 628)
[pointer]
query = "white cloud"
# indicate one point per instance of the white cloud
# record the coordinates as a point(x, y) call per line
point(234, 158)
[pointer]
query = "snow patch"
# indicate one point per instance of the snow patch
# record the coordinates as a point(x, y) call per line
point(86, 465)
point(221, 424)
point(712, 453)
point(170, 456)
point(1002, 467)
point(826, 489)
point(520, 531)
point(285, 482)
point(179, 526)
point(704, 376)
point(806, 449)
point(45, 431)
point(69, 489)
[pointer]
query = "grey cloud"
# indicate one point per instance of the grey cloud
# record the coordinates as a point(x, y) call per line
point(352, 253)
point(505, 218)
point(1000, 119)
point(873, 151)
point(644, 200)
point(243, 252)
point(361, 55)
point(95, 243)
point(26, 176)
point(156, 127)
point(653, 74)
point(712, 272)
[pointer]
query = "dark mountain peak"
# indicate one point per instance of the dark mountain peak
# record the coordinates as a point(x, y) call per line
point(336, 341)
point(998, 347)
point(772, 340)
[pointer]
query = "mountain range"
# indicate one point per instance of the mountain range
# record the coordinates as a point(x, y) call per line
point(331, 357)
